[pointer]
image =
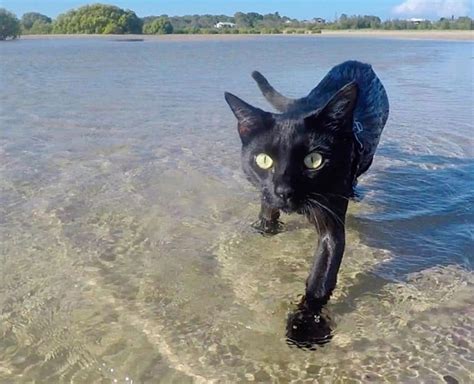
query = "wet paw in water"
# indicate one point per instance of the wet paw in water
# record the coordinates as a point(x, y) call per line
point(268, 227)
point(307, 328)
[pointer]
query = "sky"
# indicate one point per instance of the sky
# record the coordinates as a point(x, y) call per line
point(299, 9)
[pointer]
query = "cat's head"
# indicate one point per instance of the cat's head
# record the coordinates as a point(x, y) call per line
point(292, 158)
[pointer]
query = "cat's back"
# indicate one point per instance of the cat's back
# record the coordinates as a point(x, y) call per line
point(372, 108)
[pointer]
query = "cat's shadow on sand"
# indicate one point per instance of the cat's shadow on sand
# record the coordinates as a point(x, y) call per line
point(311, 329)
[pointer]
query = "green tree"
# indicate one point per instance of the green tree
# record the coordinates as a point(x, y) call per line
point(160, 26)
point(314, 29)
point(98, 18)
point(10, 26)
point(39, 28)
point(247, 20)
point(28, 19)
point(112, 28)
point(464, 22)
point(271, 20)
point(36, 23)
point(444, 23)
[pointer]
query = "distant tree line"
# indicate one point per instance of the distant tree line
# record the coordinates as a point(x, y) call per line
point(374, 22)
point(109, 19)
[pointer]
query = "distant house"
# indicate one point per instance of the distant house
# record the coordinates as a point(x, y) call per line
point(316, 20)
point(222, 24)
point(416, 21)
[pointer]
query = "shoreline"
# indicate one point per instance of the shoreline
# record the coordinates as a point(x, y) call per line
point(450, 35)
point(464, 35)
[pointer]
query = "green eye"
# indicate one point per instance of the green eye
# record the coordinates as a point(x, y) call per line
point(313, 161)
point(264, 161)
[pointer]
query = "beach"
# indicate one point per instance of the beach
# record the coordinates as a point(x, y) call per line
point(459, 35)
point(411, 35)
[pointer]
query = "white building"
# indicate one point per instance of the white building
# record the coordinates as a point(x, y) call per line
point(222, 24)
point(316, 20)
point(416, 20)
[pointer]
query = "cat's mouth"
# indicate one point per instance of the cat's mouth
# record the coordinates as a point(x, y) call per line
point(287, 205)
point(290, 208)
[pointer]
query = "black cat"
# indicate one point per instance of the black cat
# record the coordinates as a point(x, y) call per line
point(307, 160)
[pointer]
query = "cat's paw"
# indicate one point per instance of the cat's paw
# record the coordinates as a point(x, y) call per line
point(268, 227)
point(307, 328)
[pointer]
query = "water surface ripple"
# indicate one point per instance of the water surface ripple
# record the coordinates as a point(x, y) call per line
point(127, 254)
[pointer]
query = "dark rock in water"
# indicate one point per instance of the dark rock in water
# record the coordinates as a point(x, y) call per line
point(450, 380)
point(128, 40)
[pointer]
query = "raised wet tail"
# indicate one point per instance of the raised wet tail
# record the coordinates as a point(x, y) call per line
point(276, 99)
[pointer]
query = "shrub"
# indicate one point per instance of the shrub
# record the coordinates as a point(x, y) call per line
point(9, 25)
point(35, 23)
point(30, 18)
point(39, 28)
point(160, 26)
point(98, 18)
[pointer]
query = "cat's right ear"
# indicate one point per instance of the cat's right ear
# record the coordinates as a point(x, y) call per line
point(250, 119)
point(338, 111)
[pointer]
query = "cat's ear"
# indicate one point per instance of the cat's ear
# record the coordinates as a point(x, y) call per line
point(250, 119)
point(338, 111)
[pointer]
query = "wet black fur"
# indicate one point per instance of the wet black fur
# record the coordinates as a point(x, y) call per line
point(322, 195)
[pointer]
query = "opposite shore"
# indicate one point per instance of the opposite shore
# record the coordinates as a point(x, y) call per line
point(464, 35)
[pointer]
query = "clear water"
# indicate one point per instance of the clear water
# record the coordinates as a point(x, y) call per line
point(127, 254)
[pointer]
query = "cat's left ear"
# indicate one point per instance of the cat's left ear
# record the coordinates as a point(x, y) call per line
point(250, 119)
point(338, 111)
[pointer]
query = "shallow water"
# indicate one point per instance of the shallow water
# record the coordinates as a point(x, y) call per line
point(127, 254)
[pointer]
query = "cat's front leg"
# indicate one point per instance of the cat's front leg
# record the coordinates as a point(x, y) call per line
point(309, 325)
point(330, 224)
point(268, 220)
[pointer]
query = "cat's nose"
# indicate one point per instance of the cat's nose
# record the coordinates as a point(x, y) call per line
point(283, 191)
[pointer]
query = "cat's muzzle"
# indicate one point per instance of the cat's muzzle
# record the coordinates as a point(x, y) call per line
point(285, 201)
point(287, 205)
point(285, 197)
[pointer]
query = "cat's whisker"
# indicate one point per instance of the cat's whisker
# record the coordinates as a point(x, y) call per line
point(315, 219)
point(332, 213)
point(318, 195)
point(329, 210)
point(340, 196)
point(317, 214)
point(331, 194)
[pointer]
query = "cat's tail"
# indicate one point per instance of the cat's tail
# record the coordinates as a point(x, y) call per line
point(276, 99)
